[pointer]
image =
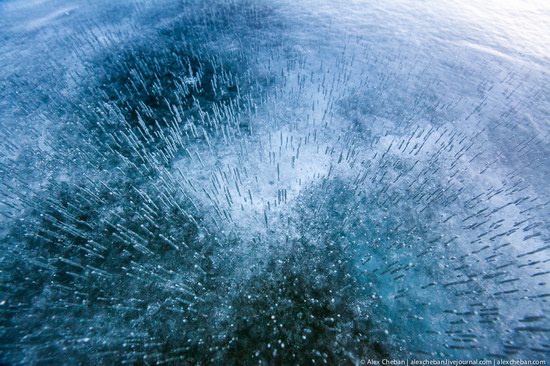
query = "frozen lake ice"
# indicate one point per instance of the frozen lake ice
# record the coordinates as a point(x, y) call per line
point(282, 182)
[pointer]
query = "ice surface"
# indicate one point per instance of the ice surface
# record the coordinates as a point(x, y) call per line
point(273, 182)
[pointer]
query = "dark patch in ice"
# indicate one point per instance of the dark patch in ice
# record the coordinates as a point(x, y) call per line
point(304, 307)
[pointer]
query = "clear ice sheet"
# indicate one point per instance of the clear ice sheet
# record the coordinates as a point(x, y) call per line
point(273, 183)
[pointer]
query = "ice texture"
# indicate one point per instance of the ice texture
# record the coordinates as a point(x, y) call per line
point(274, 182)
